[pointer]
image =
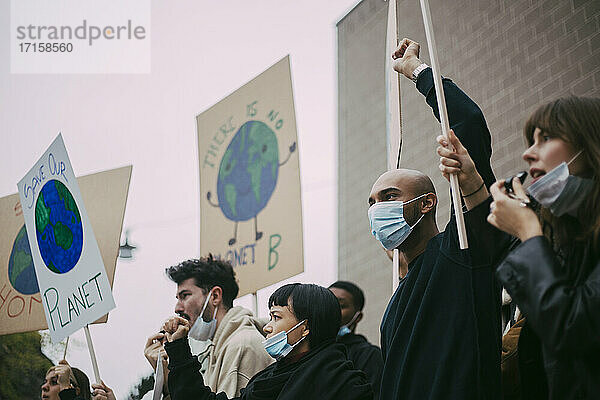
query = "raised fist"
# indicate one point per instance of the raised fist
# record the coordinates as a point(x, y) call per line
point(406, 57)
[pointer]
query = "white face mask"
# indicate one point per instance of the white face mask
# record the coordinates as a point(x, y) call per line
point(202, 330)
point(388, 224)
point(559, 191)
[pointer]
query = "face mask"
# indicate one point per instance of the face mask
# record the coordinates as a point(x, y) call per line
point(559, 191)
point(345, 329)
point(277, 345)
point(388, 224)
point(202, 330)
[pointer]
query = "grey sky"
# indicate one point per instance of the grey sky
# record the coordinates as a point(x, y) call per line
point(201, 51)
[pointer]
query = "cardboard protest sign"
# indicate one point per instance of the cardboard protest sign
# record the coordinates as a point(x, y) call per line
point(250, 202)
point(73, 283)
point(20, 300)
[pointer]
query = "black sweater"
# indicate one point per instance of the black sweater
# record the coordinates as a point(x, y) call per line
point(324, 373)
point(366, 357)
point(440, 334)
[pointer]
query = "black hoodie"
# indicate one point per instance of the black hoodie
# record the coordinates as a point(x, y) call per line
point(323, 373)
point(365, 356)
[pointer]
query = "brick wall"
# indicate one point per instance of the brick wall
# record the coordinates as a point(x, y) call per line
point(509, 56)
point(362, 155)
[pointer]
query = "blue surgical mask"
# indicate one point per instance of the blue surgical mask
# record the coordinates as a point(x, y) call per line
point(202, 330)
point(388, 224)
point(277, 345)
point(559, 191)
point(345, 329)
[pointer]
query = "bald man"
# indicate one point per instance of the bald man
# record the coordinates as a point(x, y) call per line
point(440, 334)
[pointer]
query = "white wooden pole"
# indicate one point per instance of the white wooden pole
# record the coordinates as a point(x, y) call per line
point(393, 123)
point(393, 116)
point(88, 337)
point(255, 303)
point(441, 101)
point(66, 347)
point(159, 378)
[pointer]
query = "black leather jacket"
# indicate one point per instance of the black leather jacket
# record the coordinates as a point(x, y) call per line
point(561, 302)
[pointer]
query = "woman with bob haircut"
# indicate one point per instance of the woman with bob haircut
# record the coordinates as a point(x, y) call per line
point(301, 335)
point(554, 274)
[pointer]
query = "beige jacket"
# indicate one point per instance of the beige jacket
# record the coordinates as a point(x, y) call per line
point(237, 353)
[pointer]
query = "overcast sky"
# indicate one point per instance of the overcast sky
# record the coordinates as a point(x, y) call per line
point(201, 51)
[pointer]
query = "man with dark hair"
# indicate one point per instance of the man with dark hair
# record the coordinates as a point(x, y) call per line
point(206, 289)
point(300, 336)
point(365, 356)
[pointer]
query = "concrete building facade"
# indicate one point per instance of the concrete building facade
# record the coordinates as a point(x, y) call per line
point(510, 56)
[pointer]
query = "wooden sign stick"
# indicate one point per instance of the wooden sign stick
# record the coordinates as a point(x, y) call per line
point(66, 347)
point(88, 337)
point(393, 116)
point(441, 101)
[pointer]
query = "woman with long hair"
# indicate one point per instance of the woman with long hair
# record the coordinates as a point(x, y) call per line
point(554, 274)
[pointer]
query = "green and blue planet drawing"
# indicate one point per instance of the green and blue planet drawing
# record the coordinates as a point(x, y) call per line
point(59, 233)
point(248, 174)
point(21, 272)
point(58, 227)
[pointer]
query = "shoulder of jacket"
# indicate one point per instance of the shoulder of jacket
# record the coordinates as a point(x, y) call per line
point(245, 337)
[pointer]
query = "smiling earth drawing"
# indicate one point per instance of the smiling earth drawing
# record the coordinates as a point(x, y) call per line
point(248, 174)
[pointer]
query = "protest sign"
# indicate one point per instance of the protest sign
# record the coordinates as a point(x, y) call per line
point(73, 282)
point(250, 201)
point(20, 300)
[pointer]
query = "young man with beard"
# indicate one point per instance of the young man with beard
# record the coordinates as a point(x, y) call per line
point(206, 289)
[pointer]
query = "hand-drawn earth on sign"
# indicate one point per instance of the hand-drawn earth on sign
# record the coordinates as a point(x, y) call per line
point(21, 272)
point(248, 174)
point(58, 227)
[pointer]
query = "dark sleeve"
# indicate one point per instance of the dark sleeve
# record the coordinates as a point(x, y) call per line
point(185, 379)
point(466, 120)
point(373, 367)
point(565, 317)
point(487, 244)
point(67, 394)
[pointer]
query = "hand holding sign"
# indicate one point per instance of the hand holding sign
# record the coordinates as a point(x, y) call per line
point(102, 392)
point(154, 345)
point(455, 159)
point(63, 374)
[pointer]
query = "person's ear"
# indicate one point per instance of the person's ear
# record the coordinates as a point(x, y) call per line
point(358, 318)
point(306, 330)
point(429, 202)
point(216, 296)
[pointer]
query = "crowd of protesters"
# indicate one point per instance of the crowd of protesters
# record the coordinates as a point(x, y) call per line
point(443, 335)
